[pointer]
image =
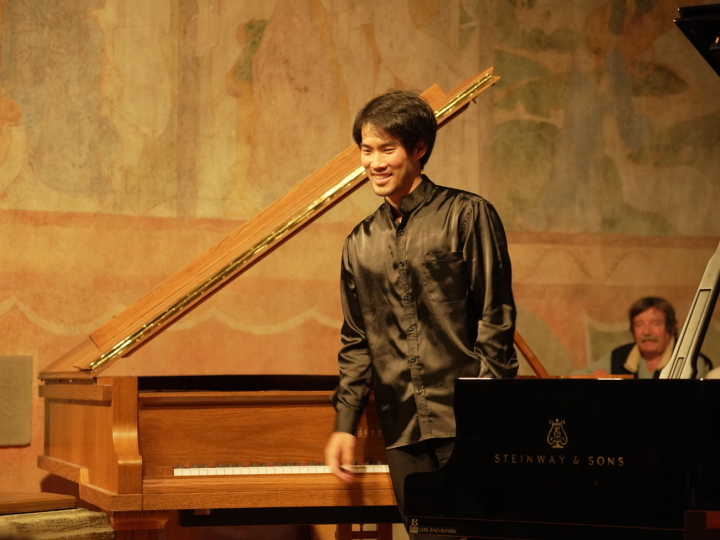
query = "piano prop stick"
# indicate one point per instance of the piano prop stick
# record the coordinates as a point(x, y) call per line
point(152, 451)
point(527, 353)
point(687, 348)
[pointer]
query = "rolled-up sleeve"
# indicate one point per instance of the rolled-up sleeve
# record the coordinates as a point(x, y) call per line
point(490, 278)
point(354, 362)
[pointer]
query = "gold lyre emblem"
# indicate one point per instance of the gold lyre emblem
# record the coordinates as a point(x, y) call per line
point(557, 438)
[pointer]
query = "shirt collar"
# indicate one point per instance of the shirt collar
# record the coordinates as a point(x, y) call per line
point(413, 199)
point(633, 360)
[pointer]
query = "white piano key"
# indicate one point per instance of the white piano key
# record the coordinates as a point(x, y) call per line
point(277, 469)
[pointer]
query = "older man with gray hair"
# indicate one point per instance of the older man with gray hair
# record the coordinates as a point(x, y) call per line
point(654, 327)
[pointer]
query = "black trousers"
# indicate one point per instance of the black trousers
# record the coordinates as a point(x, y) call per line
point(424, 456)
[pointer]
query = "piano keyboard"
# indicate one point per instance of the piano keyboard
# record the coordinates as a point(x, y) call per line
point(296, 468)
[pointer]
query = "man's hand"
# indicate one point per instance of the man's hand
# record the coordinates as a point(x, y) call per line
point(340, 450)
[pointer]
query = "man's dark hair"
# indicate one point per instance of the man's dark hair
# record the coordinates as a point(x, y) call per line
point(658, 303)
point(403, 115)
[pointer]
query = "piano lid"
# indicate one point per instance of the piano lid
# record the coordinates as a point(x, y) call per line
point(701, 25)
point(683, 362)
point(251, 241)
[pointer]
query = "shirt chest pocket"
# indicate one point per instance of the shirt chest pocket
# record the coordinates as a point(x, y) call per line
point(445, 277)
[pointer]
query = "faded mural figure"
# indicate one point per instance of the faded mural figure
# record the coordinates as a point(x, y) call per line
point(588, 146)
point(12, 144)
point(400, 41)
point(611, 67)
point(137, 100)
point(320, 60)
point(51, 57)
point(238, 82)
point(300, 95)
point(353, 37)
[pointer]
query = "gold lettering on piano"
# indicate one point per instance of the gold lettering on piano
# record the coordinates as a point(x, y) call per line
point(557, 437)
point(369, 433)
point(609, 461)
point(558, 459)
point(434, 530)
point(531, 459)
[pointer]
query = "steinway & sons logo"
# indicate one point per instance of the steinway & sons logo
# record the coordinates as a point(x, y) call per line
point(558, 438)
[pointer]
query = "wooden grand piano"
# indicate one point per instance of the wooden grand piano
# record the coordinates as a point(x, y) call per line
point(588, 459)
point(145, 449)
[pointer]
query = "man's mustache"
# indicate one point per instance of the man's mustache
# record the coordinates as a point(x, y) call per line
point(648, 337)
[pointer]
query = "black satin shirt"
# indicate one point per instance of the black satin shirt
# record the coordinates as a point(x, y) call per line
point(426, 300)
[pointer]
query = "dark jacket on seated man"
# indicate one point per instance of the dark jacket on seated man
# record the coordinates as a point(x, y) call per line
point(625, 360)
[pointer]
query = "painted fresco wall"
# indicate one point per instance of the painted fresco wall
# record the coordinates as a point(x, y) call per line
point(134, 135)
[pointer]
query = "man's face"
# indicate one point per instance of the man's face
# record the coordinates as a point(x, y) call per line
point(392, 171)
point(651, 334)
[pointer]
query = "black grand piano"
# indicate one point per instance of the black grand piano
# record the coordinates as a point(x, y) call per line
point(587, 459)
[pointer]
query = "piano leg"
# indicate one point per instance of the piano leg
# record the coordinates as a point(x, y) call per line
point(701, 525)
point(383, 532)
point(149, 525)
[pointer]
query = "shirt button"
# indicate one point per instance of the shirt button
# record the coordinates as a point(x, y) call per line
point(401, 264)
point(413, 359)
point(418, 391)
point(411, 328)
point(401, 232)
point(407, 297)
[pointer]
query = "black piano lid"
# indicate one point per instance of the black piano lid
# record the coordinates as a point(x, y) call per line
point(573, 454)
point(701, 25)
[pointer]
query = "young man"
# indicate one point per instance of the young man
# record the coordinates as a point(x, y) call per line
point(426, 295)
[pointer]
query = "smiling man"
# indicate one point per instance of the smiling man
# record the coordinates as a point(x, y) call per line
point(426, 296)
point(654, 329)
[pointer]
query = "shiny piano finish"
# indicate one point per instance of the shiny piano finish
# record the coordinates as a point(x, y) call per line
point(576, 458)
point(122, 438)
